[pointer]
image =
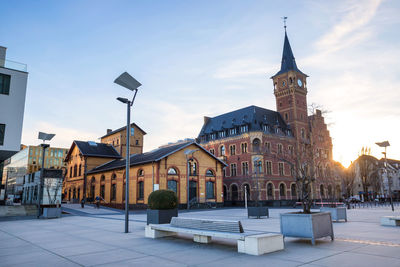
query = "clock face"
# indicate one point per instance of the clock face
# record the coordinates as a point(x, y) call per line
point(299, 82)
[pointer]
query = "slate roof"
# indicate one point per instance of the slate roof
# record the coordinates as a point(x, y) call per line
point(152, 156)
point(123, 128)
point(253, 116)
point(288, 60)
point(94, 150)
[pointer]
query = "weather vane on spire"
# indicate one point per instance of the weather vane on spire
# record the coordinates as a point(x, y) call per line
point(284, 22)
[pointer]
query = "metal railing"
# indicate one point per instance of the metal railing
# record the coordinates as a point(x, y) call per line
point(373, 204)
point(9, 64)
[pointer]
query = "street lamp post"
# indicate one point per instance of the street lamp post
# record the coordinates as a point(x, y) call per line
point(257, 165)
point(44, 137)
point(187, 153)
point(385, 144)
point(127, 81)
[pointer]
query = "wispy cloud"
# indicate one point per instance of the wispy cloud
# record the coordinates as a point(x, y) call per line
point(351, 28)
point(64, 135)
point(241, 68)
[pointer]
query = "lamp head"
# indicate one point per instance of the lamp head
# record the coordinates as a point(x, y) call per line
point(123, 100)
point(45, 136)
point(127, 81)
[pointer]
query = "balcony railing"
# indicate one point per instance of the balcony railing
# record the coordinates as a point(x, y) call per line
point(9, 64)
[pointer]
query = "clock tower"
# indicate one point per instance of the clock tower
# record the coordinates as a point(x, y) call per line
point(290, 89)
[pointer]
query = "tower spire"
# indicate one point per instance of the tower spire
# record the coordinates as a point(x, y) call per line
point(288, 61)
point(284, 22)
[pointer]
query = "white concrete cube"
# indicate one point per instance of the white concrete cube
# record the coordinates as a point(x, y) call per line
point(261, 244)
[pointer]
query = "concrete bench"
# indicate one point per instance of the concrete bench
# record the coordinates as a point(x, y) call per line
point(390, 220)
point(252, 242)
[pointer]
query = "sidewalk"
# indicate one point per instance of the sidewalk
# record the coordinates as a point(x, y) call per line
point(94, 237)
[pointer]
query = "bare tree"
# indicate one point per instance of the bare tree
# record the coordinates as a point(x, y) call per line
point(369, 174)
point(348, 181)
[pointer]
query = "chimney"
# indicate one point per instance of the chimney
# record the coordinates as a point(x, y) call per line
point(318, 112)
point(109, 131)
point(206, 119)
point(2, 55)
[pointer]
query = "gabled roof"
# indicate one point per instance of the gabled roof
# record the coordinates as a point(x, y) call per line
point(123, 128)
point(152, 156)
point(93, 149)
point(288, 61)
point(253, 116)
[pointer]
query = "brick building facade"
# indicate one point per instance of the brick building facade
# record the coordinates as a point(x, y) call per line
point(263, 145)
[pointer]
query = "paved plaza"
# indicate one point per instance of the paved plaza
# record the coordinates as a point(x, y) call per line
point(94, 237)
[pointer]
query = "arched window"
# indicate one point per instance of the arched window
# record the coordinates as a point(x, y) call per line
point(113, 176)
point(74, 193)
point(282, 190)
point(234, 190)
point(80, 170)
point(293, 190)
point(210, 173)
point(321, 190)
point(140, 190)
point(256, 145)
point(270, 190)
point(140, 172)
point(210, 192)
point(70, 172)
point(92, 188)
point(75, 170)
point(103, 178)
point(172, 171)
point(173, 185)
point(79, 193)
point(329, 190)
point(303, 134)
point(192, 167)
point(113, 191)
point(222, 150)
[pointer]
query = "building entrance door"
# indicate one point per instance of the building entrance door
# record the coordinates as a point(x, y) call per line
point(192, 190)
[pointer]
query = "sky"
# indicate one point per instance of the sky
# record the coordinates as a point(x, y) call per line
point(204, 58)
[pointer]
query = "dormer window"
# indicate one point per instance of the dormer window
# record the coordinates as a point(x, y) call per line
point(232, 131)
point(244, 129)
point(221, 134)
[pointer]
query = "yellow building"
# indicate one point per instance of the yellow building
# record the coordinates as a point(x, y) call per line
point(164, 168)
point(84, 156)
point(117, 139)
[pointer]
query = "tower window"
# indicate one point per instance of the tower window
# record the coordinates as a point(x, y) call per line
point(286, 116)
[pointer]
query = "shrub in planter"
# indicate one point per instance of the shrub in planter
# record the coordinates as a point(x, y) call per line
point(162, 206)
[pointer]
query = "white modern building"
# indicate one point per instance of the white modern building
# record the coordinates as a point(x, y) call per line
point(13, 81)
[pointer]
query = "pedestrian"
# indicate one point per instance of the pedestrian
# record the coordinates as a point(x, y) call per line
point(83, 203)
point(98, 202)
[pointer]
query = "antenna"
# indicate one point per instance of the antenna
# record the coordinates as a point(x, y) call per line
point(284, 22)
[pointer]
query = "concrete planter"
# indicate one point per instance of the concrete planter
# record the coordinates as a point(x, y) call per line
point(257, 212)
point(161, 216)
point(313, 226)
point(338, 213)
point(50, 213)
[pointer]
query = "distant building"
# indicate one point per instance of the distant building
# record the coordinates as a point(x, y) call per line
point(52, 185)
point(273, 139)
point(13, 81)
point(27, 161)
